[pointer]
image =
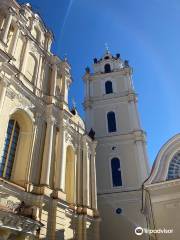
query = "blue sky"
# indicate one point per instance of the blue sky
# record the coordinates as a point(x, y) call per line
point(147, 33)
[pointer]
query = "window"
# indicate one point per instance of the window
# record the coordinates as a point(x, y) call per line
point(7, 160)
point(108, 87)
point(107, 68)
point(174, 167)
point(111, 122)
point(116, 172)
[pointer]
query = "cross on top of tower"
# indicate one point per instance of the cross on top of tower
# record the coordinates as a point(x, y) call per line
point(106, 47)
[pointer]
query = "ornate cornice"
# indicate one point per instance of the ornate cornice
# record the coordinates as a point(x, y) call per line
point(19, 223)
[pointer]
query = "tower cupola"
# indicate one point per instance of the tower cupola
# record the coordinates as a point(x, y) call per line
point(109, 63)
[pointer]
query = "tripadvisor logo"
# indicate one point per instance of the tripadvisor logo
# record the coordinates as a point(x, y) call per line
point(139, 231)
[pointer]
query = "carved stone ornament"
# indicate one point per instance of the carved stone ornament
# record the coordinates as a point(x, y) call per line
point(68, 137)
point(34, 49)
point(6, 204)
point(10, 93)
point(18, 223)
point(24, 102)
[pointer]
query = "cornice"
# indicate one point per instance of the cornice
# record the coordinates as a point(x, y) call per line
point(163, 185)
point(119, 72)
point(135, 135)
point(126, 96)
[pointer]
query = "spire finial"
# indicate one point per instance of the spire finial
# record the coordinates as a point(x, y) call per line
point(106, 47)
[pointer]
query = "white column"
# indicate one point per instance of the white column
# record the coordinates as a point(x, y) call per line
point(85, 174)
point(3, 88)
point(47, 155)
point(37, 148)
point(75, 176)
point(61, 161)
point(93, 178)
point(25, 55)
point(53, 80)
point(63, 164)
point(79, 174)
point(15, 41)
point(38, 79)
point(7, 25)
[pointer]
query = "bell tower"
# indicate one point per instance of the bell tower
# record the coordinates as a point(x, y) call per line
point(121, 161)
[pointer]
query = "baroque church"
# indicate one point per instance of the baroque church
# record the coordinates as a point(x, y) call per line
point(62, 178)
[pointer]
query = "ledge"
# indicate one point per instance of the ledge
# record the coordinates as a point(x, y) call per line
point(19, 223)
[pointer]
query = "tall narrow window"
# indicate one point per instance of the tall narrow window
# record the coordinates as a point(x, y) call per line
point(7, 160)
point(111, 122)
point(107, 68)
point(116, 172)
point(174, 167)
point(108, 87)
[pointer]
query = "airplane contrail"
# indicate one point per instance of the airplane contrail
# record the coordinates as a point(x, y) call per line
point(66, 16)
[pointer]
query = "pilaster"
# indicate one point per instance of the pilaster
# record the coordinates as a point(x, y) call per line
point(38, 142)
point(3, 88)
point(47, 155)
point(7, 25)
point(17, 33)
point(61, 161)
point(93, 178)
point(85, 174)
point(53, 80)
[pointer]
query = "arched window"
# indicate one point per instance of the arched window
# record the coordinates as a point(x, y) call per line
point(111, 122)
point(174, 167)
point(116, 172)
point(107, 68)
point(7, 160)
point(108, 87)
point(31, 67)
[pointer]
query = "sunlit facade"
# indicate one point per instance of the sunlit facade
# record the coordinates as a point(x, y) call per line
point(49, 157)
point(47, 161)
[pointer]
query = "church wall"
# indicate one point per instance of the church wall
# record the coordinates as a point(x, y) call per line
point(161, 205)
point(34, 85)
point(123, 150)
point(124, 224)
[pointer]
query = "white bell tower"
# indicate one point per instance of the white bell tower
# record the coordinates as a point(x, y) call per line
point(121, 161)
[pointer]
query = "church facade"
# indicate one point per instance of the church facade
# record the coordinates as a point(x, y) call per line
point(47, 161)
point(50, 159)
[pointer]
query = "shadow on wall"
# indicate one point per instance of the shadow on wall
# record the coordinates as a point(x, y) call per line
point(118, 226)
